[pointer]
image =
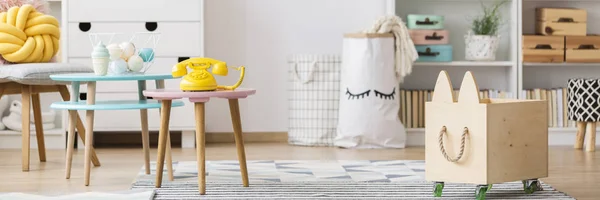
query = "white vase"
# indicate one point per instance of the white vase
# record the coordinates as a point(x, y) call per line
point(481, 47)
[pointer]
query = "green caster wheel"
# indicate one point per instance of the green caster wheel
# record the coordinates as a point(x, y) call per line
point(530, 186)
point(481, 191)
point(437, 189)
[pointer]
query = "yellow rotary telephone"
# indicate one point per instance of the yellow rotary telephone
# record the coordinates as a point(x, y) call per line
point(199, 79)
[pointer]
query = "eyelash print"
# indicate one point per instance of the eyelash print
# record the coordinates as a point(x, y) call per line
point(357, 96)
point(385, 96)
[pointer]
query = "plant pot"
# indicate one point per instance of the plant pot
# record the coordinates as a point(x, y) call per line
point(481, 47)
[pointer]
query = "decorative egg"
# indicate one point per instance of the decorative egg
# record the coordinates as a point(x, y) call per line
point(135, 63)
point(147, 54)
point(128, 50)
point(118, 66)
point(114, 51)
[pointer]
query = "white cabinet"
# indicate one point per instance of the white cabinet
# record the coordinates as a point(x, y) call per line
point(133, 10)
point(180, 24)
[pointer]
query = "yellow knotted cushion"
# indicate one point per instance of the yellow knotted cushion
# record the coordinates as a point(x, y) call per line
point(27, 35)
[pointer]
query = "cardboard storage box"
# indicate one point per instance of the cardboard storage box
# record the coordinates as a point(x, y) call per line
point(434, 53)
point(582, 49)
point(425, 22)
point(425, 37)
point(543, 49)
point(561, 21)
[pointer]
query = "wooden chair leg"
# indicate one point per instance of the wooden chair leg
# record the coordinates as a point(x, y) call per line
point(200, 145)
point(234, 108)
point(66, 96)
point(591, 143)
point(580, 135)
point(39, 129)
point(25, 124)
point(162, 140)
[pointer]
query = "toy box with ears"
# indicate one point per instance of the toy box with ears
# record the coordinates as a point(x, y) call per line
point(484, 141)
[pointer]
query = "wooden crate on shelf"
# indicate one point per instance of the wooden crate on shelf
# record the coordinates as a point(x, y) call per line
point(561, 21)
point(543, 49)
point(484, 141)
point(582, 49)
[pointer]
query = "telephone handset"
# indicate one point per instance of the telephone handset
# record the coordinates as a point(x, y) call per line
point(199, 79)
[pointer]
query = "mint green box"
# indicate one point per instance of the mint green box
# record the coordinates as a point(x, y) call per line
point(425, 22)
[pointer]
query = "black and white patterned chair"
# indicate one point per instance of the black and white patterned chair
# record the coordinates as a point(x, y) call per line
point(30, 80)
point(583, 98)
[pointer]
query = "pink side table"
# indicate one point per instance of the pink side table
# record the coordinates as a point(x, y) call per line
point(199, 98)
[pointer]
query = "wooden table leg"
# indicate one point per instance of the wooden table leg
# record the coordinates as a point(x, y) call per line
point(160, 84)
point(580, 135)
point(145, 139)
point(25, 125)
point(591, 143)
point(39, 129)
point(234, 108)
point(145, 132)
point(74, 97)
point(162, 139)
point(169, 158)
point(70, 142)
point(200, 145)
point(89, 134)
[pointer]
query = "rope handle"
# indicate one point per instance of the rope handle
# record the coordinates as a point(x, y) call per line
point(310, 73)
point(462, 145)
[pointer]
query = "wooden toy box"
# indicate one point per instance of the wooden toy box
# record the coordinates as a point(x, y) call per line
point(420, 37)
point(506, 139)
point(561, 21)
point(543, 49)
point(582, 49)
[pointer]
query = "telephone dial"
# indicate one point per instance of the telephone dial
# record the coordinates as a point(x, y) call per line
point(199, 79)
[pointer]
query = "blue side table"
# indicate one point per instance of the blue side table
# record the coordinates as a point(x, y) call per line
point(91, 105)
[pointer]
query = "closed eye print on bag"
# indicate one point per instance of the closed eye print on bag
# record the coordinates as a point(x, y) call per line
point(357, 96)
point(384, 95)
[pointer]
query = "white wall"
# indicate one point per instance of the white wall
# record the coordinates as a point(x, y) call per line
point(261, 34)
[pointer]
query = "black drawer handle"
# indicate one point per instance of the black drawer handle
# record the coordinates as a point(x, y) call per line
point(83, 96)
point(586, 46)
point(151, 26)
point(434, 37)
point(428, 53)
point(426, 22)
point(566, 20)
point(182, 59)
point(85, 26)
point(543, 46)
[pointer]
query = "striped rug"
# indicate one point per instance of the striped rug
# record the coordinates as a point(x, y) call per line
point(342, 179)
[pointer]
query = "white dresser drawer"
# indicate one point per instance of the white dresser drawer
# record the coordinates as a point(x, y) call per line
point(134, 10)
point(160, 66)
point(176, 38)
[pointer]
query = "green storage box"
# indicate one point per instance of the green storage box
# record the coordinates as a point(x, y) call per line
point(425, 22)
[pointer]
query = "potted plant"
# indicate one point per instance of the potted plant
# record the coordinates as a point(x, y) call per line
point(482, 40)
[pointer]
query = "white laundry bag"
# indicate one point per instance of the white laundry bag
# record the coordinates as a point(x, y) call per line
point(374, 63)
point(369, 106)
point(314, 81)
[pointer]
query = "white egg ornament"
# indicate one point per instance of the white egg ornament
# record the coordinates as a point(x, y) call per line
point(135, 63)
point(118, 66)
point(128, 50)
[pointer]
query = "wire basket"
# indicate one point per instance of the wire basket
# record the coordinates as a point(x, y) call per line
point(144, 46)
